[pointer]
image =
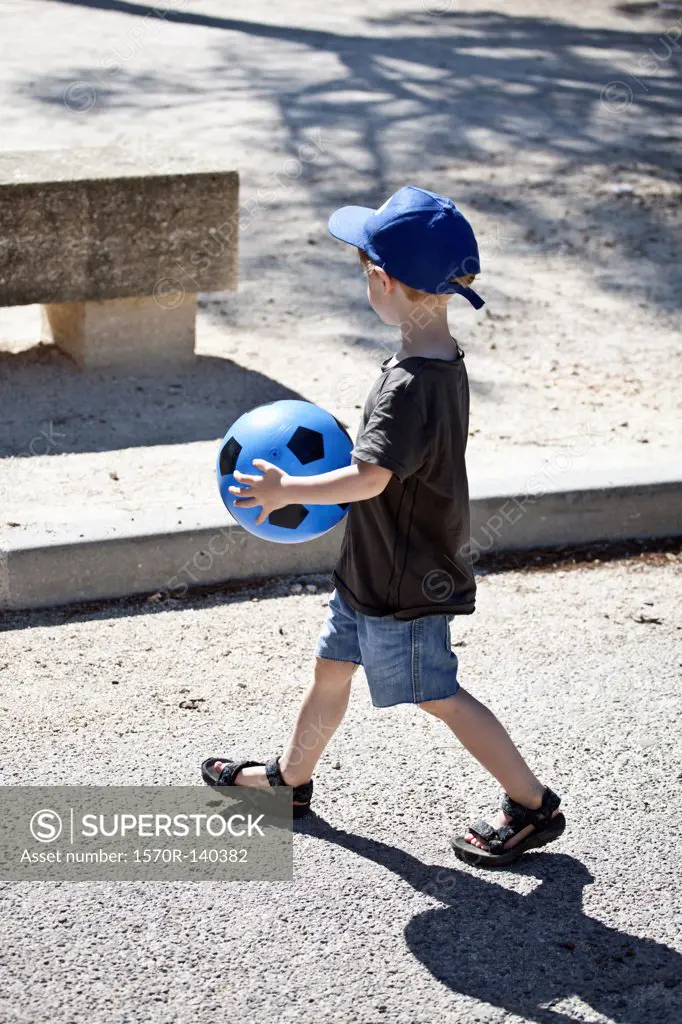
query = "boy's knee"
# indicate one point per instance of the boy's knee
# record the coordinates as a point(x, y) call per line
point(441, 708)
point(335, 672)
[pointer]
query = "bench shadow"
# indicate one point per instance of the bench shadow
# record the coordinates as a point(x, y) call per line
point(49, 408)
point(524, 952)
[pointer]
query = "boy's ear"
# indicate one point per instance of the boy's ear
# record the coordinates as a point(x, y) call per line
point(388, 283)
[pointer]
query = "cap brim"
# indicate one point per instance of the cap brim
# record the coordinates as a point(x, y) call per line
point(468, 293)
point(348, 224)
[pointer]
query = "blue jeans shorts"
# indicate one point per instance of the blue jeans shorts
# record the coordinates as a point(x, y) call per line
point(406, 661)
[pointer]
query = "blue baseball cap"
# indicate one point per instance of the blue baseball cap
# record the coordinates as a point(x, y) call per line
point(416, 236)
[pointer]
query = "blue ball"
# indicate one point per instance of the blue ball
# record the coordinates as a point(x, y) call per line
point(299, 438)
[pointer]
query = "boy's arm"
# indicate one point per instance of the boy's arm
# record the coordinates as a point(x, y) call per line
point(275, 488)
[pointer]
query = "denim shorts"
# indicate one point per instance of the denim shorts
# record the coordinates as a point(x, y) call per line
point(406, 661)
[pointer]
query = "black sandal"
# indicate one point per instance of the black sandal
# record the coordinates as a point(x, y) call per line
point(546, 830)
point(302, 795)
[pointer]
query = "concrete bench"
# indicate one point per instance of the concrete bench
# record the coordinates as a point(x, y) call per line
point(115, 256)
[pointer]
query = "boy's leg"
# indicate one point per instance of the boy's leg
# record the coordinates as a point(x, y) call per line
point(325, 703)
point(319, 716)
point(477, 728)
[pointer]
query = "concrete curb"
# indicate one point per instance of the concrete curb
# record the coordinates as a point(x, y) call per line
point(581, 508)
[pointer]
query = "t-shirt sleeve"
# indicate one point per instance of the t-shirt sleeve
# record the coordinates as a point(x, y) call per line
point(394, 435)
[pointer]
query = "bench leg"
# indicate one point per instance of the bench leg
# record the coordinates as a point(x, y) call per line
point(123, 334)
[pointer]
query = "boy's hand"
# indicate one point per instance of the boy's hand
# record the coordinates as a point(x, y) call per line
point(265, 490)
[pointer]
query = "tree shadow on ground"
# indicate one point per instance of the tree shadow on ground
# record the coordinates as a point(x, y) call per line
point(47, 407)
point(643, 7)
point(416, 95)
point(525, 79)
point(525, 952)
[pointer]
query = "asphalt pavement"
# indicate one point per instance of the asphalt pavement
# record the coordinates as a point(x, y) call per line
point(380, 923)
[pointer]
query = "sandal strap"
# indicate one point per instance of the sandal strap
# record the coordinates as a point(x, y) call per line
point(483, 830)
point(522, 816)
point(273, 772)
point(232, 770)
point(505, 833)
point(301, 794)
point(492, 836)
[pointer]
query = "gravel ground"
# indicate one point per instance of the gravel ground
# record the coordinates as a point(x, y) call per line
point(380, 922)
point(557, 133)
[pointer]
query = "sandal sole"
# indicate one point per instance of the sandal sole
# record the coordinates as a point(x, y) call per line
point(469, 854)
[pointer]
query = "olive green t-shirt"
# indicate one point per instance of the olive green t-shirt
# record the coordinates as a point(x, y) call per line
point(405, 552)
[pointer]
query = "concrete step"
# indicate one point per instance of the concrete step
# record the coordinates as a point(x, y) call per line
point(564, 506)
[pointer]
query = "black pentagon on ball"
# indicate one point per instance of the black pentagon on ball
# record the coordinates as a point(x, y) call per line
point(229, 454)
point(307, 445)
point(290, 516)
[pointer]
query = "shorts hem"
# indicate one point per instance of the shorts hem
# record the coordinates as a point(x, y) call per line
point(328, 657)
point(411, 700)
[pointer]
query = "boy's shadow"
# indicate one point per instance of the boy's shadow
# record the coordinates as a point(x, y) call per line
point(523, 952)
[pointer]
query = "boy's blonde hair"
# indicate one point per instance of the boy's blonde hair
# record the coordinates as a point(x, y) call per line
point(414, 294)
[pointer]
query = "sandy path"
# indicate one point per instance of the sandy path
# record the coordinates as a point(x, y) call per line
point(572, 182)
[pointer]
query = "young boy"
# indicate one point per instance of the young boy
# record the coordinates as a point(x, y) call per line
point(403, 571)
